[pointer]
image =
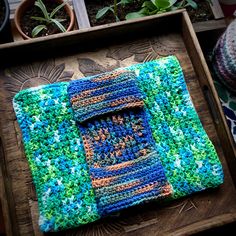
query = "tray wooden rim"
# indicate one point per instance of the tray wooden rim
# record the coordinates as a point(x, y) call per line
point(196, 52)
point(86, 30)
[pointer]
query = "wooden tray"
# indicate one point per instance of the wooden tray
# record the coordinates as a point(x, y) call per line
point(85, 52)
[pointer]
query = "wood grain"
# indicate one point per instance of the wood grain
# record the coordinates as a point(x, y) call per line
point(183, 216)
point(81, 13)
point(209, 25)
point(216, 9)
point(211, 95)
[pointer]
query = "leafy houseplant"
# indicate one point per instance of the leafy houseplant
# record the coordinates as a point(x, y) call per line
point(153, 7)
point(5, 27)
point(146, 7)
point(113, 8)
point(47, 18)
point(43, 17)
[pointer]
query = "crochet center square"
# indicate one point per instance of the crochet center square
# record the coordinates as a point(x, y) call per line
point(124, 165)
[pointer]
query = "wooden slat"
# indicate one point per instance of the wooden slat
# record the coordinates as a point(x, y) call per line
point(6, 196)
point(216, 9)
point(209, 25)
point(81, 14)
point(217, 221)
point(2, 224)
point(210, 92)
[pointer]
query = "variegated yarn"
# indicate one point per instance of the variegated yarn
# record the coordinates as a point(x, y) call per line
point(106, 142)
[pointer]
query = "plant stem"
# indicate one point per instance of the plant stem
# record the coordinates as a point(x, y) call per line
point(182, 3)
point(115, 9)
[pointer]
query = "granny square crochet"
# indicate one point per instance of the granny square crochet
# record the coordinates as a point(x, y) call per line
point(99, 144)
point(120, 151)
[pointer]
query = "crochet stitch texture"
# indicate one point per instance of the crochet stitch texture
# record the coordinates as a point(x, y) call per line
point(124, 165)
point(69, 174)
point(53, 147)
point(189, 158)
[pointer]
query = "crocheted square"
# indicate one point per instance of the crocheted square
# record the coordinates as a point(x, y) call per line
point(124, 165)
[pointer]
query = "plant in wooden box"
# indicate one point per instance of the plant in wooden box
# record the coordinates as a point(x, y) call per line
point(153, 7)
point(147, 7)
point(113, 8)
point(110, 11)
point(43, 17)
point(5, 27)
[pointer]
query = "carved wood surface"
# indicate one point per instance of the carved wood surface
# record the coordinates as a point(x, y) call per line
point(148, 219)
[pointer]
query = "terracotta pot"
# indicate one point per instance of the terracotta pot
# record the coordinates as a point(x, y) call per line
point(26, 4)
point(5, 28)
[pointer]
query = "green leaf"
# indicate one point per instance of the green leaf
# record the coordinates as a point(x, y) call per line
point(144, 11)
point(133, 15)
point(42, 7)
point(102, 12)
point(154, 2)
point(126, 1)
point(40, 19)
point(149, 5)
point(36, 30)
point(117, 19)
point(57, 9)
point(163, 4)
point(173, 8)
point(59, 25)
point(192, 4)
point(61, 20)
point(172, 2)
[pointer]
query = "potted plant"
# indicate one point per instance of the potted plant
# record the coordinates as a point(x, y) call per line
point(5, 26)
point(204, 14)
point(37, 18)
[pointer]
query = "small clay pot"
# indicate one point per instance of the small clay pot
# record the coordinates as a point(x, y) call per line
point(26, 4)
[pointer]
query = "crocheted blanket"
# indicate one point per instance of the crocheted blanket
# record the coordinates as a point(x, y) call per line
point(110, 141)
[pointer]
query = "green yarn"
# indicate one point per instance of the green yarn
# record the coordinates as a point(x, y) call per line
point(189, 158)
point(56, 157)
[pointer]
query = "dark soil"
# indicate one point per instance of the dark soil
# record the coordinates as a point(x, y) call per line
point(2, 12)
point(203, 13)
point(28, 24)
point(94, 5)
